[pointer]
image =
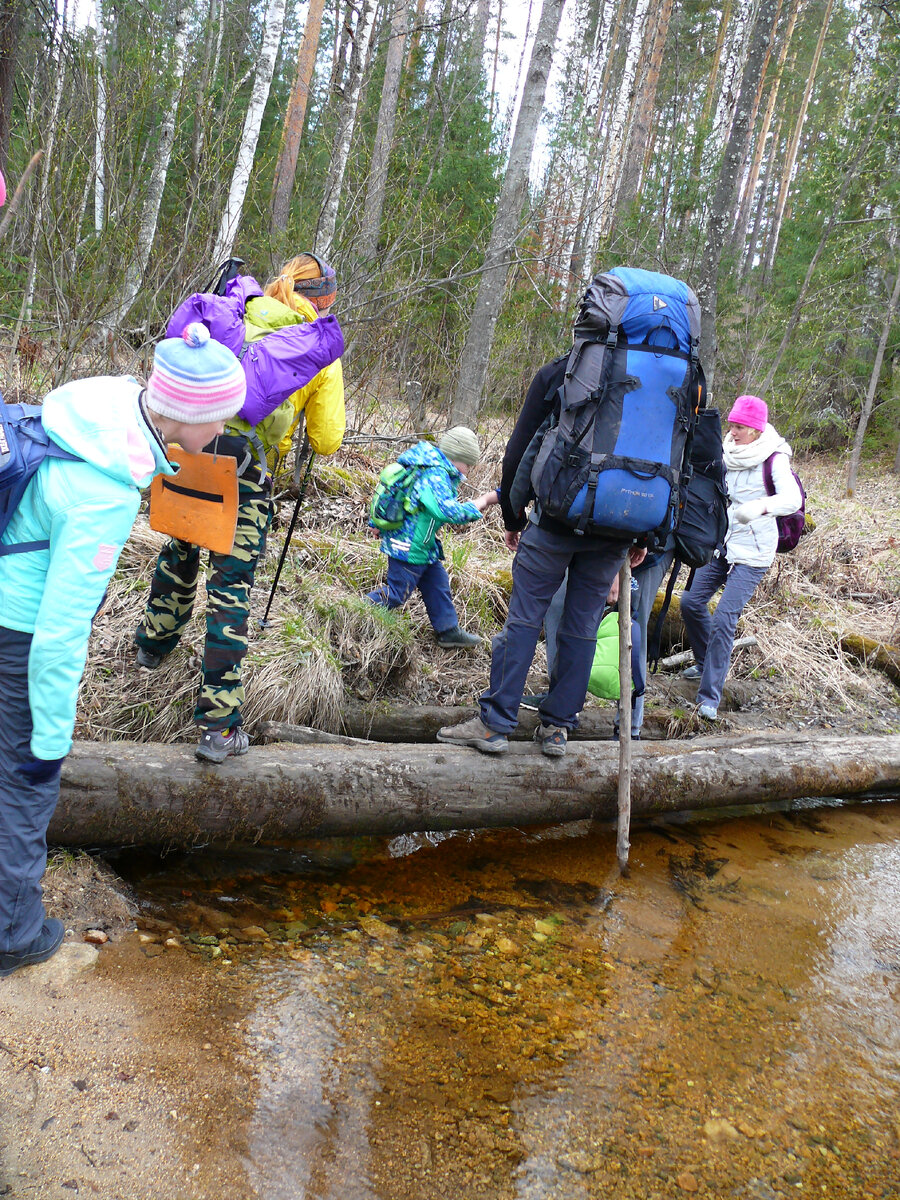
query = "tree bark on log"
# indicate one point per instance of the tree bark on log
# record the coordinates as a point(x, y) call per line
point(117, 793)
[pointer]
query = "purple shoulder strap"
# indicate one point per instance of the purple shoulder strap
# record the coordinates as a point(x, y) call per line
point(767, 474)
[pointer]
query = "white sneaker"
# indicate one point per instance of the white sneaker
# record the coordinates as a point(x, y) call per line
point(708, 713)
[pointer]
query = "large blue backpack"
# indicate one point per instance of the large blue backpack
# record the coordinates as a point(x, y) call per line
point(24, 444)
point(613, 464)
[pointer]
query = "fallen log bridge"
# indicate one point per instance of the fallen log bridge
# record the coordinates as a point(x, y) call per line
point(118, 793)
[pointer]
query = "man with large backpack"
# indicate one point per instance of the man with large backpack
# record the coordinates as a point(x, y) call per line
point(599, 448)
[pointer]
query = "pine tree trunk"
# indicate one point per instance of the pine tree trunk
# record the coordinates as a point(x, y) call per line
point(721, 213)
point(286, 167)
point(477, 350)
point(376, 187)
point(791, 156)
point(849, 175)
point(335, 182)
point(134, 275)
point(856, 453)
point(10, 27)
point(273, 27)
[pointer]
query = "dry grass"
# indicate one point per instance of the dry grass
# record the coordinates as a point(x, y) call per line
point(325, 643)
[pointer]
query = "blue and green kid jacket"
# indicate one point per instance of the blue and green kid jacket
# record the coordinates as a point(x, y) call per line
point(433, 501)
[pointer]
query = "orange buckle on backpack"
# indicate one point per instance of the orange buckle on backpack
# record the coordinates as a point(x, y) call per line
point(198, 505)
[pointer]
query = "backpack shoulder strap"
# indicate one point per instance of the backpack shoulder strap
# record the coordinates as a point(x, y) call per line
point(767, 474)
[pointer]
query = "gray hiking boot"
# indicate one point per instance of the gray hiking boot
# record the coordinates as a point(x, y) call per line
point(474, 733)
point(44, 946)
point(552, 740)
point(216, 746)
point(148, 659)
point(457, 639)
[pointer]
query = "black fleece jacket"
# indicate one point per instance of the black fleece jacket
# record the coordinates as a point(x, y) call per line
point(541, 399)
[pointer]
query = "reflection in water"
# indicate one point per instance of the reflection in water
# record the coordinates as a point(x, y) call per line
point(501, 1016)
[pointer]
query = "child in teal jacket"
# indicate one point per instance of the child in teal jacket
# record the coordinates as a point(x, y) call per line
point(414, 551)
point(82, 510)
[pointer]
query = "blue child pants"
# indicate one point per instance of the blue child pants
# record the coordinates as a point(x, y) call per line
point(432, 581)
point(25, 808)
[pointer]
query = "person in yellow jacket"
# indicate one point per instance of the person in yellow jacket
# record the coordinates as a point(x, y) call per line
point(274, 353)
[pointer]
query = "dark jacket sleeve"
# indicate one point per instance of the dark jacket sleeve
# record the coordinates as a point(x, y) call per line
point(540, 400)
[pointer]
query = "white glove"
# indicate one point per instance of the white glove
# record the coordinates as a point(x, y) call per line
point(745, 513)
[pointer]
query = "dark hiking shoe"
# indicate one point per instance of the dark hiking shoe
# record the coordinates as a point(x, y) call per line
point(148, 659)
point(533, 703)
point(457, 639)
point(635, 737)
point(44, 946)
point(552, 740)
point(215, 746)
point(474, 733)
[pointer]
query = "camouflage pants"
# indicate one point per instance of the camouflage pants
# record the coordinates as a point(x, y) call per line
point(229, 581)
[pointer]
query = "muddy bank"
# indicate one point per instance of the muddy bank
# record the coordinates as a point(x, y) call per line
point(493, 1015)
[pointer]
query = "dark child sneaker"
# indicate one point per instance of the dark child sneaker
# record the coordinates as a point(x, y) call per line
point(552, 740)
point(216, 746)
point(148, 659)
point(692, 672)
point(44, 946)
point(533, 703)
point(457, 639)
point(474, 733)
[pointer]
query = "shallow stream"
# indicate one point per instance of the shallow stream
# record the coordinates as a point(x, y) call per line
point(501, 1015)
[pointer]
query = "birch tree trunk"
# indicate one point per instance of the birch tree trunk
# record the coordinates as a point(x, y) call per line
point(134, 274)
point(273, 28)
point(376, 186)
point(286, 167)
point(613, 161)
point(645, 105)
point(740, 31)
point(721, 213)
point(335, 182)
point(100, 135)
point(856, 453)
point(791, 156)
point(479, 340)
point(10, 27)
point(740, 229)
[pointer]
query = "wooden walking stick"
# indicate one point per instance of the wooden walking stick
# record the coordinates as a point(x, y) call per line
point(623, 823)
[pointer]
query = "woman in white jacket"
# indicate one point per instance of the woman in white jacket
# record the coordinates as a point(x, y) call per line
point(750, 545)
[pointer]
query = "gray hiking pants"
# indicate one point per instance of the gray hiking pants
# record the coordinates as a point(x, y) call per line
point(538, 569)
point(712, 636)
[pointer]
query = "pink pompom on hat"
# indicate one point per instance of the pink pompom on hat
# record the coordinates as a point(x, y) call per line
point(750, 411)
point(195, 379)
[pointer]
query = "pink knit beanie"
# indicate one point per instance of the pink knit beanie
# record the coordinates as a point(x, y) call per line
point(195, 379)
point(751, 411)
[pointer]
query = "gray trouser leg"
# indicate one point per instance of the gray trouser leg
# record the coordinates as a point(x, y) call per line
point(717, 631)
point(25, 808)
point(648, 580)
point(552, 620)
point(538, 570)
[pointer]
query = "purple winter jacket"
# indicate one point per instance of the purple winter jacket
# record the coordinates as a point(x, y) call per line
point(275, 366)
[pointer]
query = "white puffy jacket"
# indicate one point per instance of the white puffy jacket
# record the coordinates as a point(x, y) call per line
point(752, 536)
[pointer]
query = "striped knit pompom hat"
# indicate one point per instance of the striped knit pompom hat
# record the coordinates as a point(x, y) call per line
point(195, 379)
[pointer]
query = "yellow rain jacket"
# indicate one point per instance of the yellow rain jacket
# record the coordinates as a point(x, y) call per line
point(322, 399)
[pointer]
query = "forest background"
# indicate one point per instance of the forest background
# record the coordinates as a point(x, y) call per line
point(750, 147)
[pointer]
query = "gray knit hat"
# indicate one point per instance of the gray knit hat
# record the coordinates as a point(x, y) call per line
point(460, 445)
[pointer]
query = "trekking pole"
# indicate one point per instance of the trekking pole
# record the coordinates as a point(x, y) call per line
point(623, 823)
point(301, 496)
